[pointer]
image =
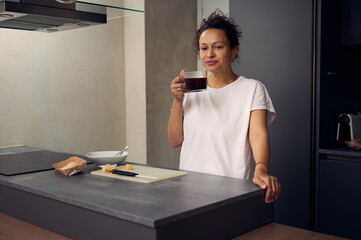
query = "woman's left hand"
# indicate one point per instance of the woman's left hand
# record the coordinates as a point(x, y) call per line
point(269, 183)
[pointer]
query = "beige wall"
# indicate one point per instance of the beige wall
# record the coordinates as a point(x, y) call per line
point(63, 91)
point(134, 45)
point(169, 32)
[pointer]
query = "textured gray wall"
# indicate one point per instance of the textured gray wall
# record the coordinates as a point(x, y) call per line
point(169, 30)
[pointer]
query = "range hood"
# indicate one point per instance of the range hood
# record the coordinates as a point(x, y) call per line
point(49, 15)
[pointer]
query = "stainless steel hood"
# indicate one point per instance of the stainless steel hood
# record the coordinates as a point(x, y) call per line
point(49, 15)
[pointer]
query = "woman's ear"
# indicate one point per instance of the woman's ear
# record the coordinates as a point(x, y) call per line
point(234, 52)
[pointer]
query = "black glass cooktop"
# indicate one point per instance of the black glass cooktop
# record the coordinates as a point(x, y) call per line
point(25, 159)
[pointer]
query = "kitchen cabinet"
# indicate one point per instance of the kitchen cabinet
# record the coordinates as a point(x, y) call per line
point(339, 82)
point(350, 22)
point(85, 206)
point(339, 195)
point(337, 200)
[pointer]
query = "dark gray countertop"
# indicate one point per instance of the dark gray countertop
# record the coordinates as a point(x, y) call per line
point(341, 152)
point(151, 205)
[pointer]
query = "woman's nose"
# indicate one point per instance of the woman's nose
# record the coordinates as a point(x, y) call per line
point(210, 53)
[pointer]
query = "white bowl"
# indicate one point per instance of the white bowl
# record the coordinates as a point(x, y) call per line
point(106, 157)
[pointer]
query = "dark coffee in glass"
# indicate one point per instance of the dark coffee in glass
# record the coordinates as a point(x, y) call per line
point(196, 81)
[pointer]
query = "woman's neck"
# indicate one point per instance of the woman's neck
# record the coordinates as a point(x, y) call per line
point(219, 80)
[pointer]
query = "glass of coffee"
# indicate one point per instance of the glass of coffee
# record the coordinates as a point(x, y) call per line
point(196, 81)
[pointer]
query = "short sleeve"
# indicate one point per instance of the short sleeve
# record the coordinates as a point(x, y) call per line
point(262, 100)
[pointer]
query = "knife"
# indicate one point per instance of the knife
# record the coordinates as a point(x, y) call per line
point(132, 174)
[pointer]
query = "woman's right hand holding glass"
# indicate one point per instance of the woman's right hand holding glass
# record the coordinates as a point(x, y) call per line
point(178, 87)
point(175, 123)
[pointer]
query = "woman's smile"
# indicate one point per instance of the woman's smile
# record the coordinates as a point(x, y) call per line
point(212, 62)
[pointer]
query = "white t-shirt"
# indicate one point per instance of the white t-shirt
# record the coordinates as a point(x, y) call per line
point(215, 127)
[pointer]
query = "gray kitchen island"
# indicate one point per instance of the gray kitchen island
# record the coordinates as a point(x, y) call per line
point(85, 206)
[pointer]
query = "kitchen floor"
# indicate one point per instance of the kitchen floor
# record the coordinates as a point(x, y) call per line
point(274, 231)
point(15, 229)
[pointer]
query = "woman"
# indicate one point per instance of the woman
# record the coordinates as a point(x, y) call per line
point(223, 130)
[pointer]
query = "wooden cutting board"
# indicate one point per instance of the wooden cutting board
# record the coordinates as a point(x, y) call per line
point(161, 173)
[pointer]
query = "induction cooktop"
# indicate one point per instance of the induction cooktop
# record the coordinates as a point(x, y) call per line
point(25, 159)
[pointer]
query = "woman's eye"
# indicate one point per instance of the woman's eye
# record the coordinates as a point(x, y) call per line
point(203, 48)
point(219, 47)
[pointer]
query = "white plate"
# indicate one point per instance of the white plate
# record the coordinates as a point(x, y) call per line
point(106, 157)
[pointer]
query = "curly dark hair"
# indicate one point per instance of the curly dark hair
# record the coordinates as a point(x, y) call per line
point(218, 20)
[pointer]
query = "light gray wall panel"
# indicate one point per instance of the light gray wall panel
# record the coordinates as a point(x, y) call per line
point(169, 31)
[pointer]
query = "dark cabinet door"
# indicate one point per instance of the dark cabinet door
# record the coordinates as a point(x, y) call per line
point(340, 197)
point(276, 48)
